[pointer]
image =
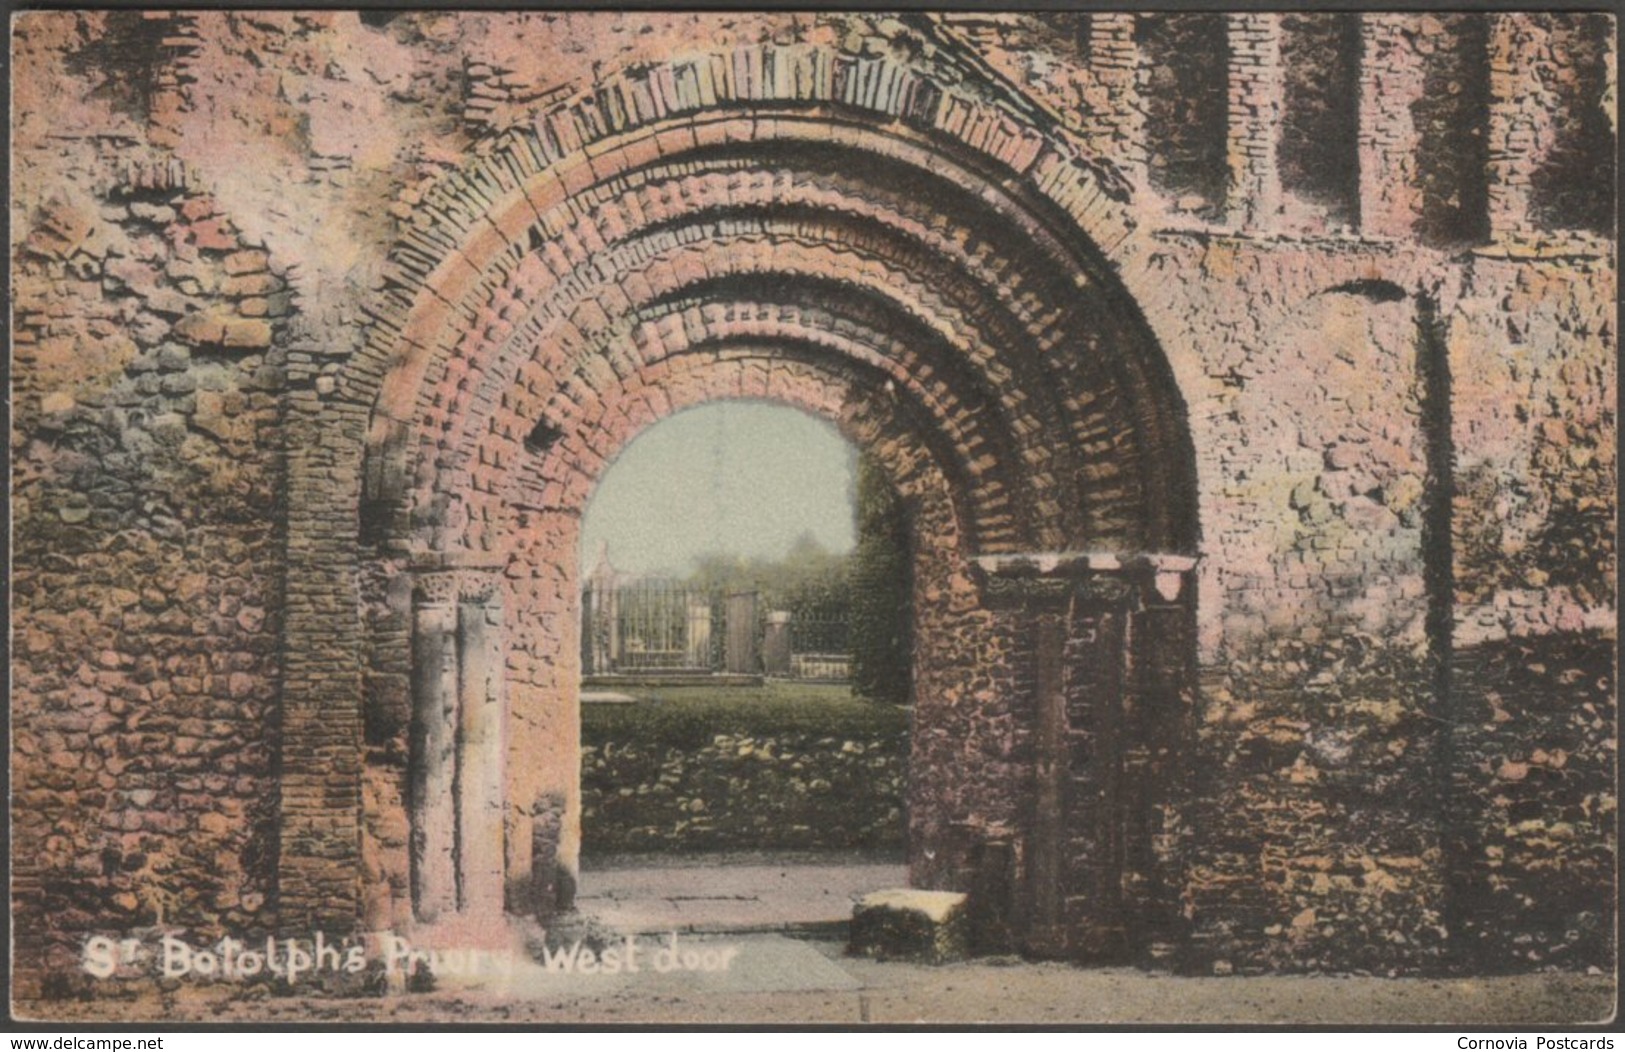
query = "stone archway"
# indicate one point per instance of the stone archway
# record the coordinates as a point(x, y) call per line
point(840, 234)
point(842, 395)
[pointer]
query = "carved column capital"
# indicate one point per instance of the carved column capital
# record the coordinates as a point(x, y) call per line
point(438, 588)
point(1056, 578)
point(445, 578)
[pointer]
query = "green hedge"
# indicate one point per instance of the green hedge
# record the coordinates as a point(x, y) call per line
point(781, 766)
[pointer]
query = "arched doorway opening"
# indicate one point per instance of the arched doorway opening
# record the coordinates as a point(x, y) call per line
point(935, 289)
point(743, 759)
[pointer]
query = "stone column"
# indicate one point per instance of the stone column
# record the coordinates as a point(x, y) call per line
point(1097, 753)
point(434, 746)
point(1052, 799)
point(480, 744)
point(591, 662)
point(1256, 92)
point(613, 650)
point(697, 644)
point(739, 655)
point(776, 644)
point(1159, 727)
point(1111, 648)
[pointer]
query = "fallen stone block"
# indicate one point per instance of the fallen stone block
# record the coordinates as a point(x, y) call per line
point(905, 924)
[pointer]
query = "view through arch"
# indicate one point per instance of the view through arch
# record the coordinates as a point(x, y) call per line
point(1261, 503)
point(965, 328)
point(746, 661)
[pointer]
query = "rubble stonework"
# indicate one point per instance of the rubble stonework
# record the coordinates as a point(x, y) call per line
point(326, 324)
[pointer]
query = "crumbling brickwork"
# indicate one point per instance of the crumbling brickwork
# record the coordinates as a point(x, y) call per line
point(326, 324)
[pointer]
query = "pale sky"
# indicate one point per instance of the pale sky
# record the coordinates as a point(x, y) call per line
point(742, 478)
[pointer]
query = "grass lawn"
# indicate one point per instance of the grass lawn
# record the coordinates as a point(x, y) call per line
point(691, 716)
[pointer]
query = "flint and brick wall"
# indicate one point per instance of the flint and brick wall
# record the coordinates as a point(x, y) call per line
point(148, 367)
point(254, 402)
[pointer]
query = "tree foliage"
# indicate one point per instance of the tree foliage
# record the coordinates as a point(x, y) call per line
point(808, 575)
point(871, 587)
point(882, 586)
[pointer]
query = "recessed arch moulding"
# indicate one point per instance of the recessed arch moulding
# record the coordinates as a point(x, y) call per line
point(860, 243)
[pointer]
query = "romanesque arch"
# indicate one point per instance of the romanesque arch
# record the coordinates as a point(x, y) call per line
point(842, 234)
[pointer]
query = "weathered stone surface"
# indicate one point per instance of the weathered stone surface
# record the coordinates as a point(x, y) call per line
point(248, 396)
point(790, 790)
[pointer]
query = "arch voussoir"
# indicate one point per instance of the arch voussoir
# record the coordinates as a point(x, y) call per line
point(603, 343)
point(847, 235)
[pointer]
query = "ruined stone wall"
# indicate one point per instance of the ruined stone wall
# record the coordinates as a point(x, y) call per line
point(1400, 399)
point(1315, 744)
point(1323, 731)
point(1448, 413)
point(1532, 422)
point(149, 353)
point(1533, 694)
